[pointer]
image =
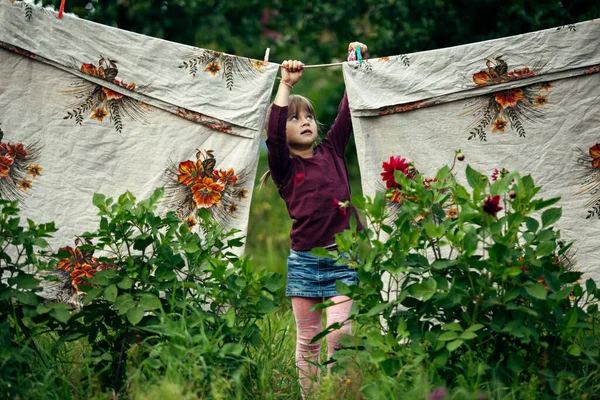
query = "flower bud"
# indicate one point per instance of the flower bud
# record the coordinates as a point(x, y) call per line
point(512, 194)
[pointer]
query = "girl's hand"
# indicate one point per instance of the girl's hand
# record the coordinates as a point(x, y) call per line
point(363, 49)
point(291, 71)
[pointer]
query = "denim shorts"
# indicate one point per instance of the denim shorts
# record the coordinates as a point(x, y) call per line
point(311, 276)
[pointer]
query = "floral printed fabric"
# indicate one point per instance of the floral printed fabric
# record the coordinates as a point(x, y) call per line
point(528, 102)
point(86, 108)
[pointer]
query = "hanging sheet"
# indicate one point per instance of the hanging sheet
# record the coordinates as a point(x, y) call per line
point(529, 102)
point(88, 108)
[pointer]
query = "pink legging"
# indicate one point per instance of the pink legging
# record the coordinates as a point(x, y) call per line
point(308, 324)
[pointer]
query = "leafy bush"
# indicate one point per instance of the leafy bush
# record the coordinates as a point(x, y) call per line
point(144, 287)
point(477, 287)
point(19, 263)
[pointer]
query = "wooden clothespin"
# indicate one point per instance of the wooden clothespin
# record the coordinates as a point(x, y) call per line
point(266, 61)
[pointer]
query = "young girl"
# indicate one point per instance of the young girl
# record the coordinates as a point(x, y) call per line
point(313, 181)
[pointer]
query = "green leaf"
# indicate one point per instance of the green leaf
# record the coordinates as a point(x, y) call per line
point(320, 252)
point(110, 293)
point(342, 288)
point(124, 303)
point(149, 301)
point(91, 295)
point(28, 298)
point(378, 309)
point(142, 241)
point(454, 345)
point(538, 205)
point(550, 216)
point(190, 248)
point(60, 315)
point(475, 179)
point(512, 271)
point(447, 336)
point(532, 224)
point(265, 306)
point(466, 335)
point(135, 315)
point(537, 290)
point(274, 282)
point(590, 286)
point(453, 326)
point(470, 243)
point(426, 289)
point(475, 327)
point(574, 350)
point(545, 248)
point(25, 281)
point(98, 200)
point(501, 186)
point(570, 277)
point(125, 283)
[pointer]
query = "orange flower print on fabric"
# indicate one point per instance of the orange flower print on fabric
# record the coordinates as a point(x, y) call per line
point(257, 64)
point(207, 192)
point(213, 68)
point(384, 59)
point(190, 172)
point(225, 177)
point(13, 151)
point(5, 163)
point(99, 114)
point(497, 72)
point(509, 98)
point(34, 170)
point(541, 100)
point(68, 263)
point(25, 184)
point(499, 125)
point(594, 152)
point(97, 101)
point(191, 222)
point(110, 95)
point(200, 184)
point(82, 273)
point(17, 169)
point(545, 86)
point(452, 212)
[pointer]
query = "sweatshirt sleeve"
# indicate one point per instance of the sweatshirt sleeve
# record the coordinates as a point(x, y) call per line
point(339, 133)
point(280, 163)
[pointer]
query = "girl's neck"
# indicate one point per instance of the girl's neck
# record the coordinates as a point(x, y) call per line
point(304, 153)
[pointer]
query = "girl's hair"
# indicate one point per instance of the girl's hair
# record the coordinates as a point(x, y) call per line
point(295, 104)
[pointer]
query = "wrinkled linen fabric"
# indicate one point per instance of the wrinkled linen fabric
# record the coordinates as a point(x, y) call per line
point(529, 102)
point(86, 108)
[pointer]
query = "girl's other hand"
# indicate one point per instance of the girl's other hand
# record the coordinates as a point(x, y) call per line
point(291, 71)
point(363, 49)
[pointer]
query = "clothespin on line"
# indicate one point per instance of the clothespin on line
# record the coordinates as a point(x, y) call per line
point(266, 61)
point(61, 9)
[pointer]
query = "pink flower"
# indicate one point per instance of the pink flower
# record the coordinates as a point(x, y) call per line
point(491, 205)
point(499, 174)
point(341, 207)
point(396, 163)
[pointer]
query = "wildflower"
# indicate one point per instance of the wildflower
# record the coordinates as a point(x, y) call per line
point(395, 164)
point(499, 174)
point(491, 205)
point(341, 207)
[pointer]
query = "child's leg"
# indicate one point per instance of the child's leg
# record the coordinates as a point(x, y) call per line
point(338, 313)
point(308, 324)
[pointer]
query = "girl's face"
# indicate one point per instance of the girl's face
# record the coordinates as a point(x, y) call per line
point(301, 129)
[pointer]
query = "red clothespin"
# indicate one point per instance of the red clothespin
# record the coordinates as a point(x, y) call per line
point(266, 61)
point(61, 9)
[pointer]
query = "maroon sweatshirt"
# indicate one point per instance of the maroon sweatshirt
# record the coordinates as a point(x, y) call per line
point(309, 185)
